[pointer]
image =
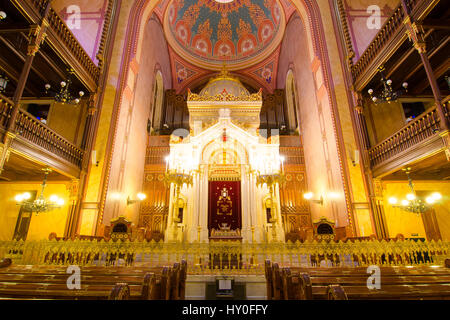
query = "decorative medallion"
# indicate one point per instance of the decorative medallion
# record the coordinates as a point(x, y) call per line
point(208, 32)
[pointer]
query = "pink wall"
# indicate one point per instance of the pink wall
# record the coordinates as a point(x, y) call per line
point(127, 167)
point(316, 124)
point(87, 25)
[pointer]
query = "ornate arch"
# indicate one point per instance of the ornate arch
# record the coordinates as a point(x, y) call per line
point(308, 11)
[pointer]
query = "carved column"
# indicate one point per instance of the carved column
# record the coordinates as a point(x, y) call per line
point(416, 34)
point(378, 210)
point(376, 201)
point(37, 36)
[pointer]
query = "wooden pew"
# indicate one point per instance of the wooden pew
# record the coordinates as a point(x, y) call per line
point(50, 282)
point(423, 282)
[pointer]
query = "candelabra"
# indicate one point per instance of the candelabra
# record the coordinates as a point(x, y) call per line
point(40, 204)
point(388, 94)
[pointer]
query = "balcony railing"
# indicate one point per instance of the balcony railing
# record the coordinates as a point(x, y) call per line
point(39, 134)
point(411, 134)
point(66, 37)
point(385, 36)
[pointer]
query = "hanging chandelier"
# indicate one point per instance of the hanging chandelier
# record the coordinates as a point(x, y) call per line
point(40, 204)
point(388, 94)
point(64, 96)
point(412, 203)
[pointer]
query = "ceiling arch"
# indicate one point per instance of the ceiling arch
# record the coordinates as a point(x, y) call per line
point(208, 33)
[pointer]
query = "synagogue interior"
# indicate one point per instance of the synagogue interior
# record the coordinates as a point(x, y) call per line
point(167, 147)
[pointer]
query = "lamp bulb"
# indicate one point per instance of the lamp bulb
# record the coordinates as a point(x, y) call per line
point(141, 196)
point(374, 99)
point(63, 84)
point(370, 91)
point(47, 86)
point(405, 85)
point(430, 200)
point(308, 195)
point(389, 82)
point(410, 196)
point(392, 200)
point(81, 93)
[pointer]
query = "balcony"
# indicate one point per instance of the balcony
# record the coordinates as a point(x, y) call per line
point(34, 139)
point(392, 40)
point(417, 140)
point(61, 41)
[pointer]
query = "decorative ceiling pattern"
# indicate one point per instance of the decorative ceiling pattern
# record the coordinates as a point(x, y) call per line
point(184, 73)
point(209, 32)
point(265, 72)
point(289, 8)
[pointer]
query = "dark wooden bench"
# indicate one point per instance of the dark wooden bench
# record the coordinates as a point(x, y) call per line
point(421, 282)
point(50, 282)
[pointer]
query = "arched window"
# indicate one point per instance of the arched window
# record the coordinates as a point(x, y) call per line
point(291, 100)
point(157, 103)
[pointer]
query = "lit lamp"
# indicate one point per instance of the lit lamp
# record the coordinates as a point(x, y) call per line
point(140, 197)
point(2, 15)
point(40, 204)
point(309, 196)
point(3, 82)
point(412, 203)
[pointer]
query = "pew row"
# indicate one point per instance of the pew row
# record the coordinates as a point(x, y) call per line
point(342, 283)
point(51, 282)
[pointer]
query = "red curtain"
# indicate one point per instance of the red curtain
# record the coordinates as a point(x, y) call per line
point(224, 204)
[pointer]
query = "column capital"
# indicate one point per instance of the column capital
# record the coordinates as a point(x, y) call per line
point(37, 36)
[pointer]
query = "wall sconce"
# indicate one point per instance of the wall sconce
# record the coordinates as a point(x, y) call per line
point(355, 158)
point(140, 197)
point(309, 196)
point(94, 160)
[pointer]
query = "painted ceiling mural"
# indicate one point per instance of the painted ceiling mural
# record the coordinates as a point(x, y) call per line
point(211, 32)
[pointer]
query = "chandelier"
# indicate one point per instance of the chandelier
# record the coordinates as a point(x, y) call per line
point(412, 203)
point(40, 204)
point(388, 94)
point(64, 96)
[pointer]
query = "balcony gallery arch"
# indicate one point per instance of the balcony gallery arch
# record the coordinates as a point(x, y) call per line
point(129, 69)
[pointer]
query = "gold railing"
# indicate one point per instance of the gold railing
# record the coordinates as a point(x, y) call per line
point(225, 256)
point(36, 132)
point(385, 36)
point(66, 37)
point(382, 38)
point(411, 134)
point(6, 106)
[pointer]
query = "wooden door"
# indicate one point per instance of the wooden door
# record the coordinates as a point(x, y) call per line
point(23, 221)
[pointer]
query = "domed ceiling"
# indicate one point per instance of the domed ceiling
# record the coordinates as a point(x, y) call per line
point(210, 33)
